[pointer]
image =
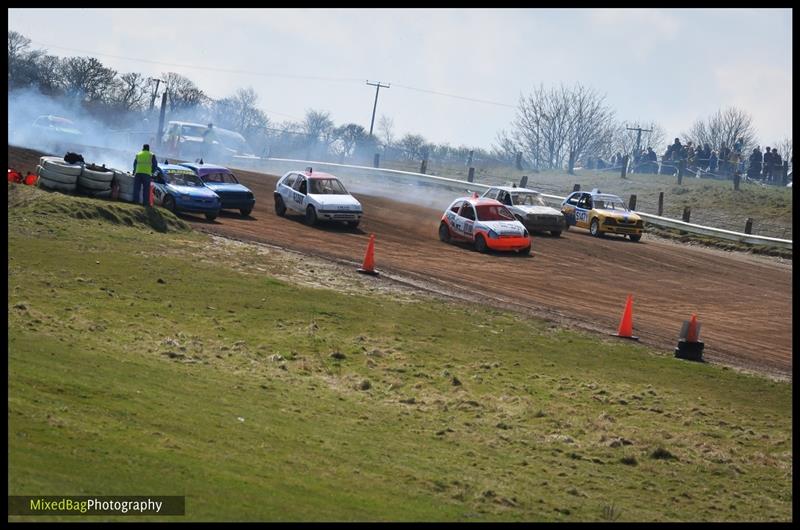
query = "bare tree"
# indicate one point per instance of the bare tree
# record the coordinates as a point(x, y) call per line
point(386, 130)
point(414, 146)
point(319, 125)
point(129, 92)
point(590, 123)
point(183, 94)
point(348, 138)
point(87, 78)
point(784, 148)
point(724, 127)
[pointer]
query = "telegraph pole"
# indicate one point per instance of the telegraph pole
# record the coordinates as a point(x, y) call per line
point(378, 87)
point(638, 135)
point(155, 92)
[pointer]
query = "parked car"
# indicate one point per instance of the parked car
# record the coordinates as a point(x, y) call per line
point(601, 213)
point(178, 189)
point(184, 139)
point(485, 223)
point(222, 181)
point(56, 132)
point(318, 196)
point(529, 208)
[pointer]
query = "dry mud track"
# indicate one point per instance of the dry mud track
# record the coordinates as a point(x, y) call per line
point(744, 303)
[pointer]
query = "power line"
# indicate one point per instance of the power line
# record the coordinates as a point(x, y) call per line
point(273, 74)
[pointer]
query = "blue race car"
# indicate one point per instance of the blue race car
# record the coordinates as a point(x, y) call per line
point(222, 181)
point(178, 189)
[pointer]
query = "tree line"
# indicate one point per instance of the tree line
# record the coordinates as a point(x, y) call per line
point(554, 127)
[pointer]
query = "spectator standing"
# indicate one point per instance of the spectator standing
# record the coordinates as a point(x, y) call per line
point(754, 169)
point(767, 165)
point(144, 166)
point(777, 164)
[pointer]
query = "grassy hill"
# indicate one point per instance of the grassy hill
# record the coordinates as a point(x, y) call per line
point(148, 359)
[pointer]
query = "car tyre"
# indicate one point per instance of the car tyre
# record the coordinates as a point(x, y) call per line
point(526, 251)
point(311, 216)
point(280, 207)
point(353, 224)
point(212, 215)
point(635, 237)
point(480, 244)
point(245, 211)
point(594, 228)
point(555, 233)
point(444, 233)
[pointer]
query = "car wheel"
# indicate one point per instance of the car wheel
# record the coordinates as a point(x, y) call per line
point(526, 251)
point(635, 237)
point(169, 203)
point(555, 233)
point(245, 211)
point(353, 224)
point(280, 207)
point(444, 233)
point(480, 244)
point(594, 228)
point(211, 215)
point(311, 216)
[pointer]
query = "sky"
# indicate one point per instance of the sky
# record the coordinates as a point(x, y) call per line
point(671, 66)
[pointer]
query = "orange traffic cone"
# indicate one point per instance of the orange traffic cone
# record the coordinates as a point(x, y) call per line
point(689, 345)
point(626, 324)
point(368, 267)
point(152, 191)
point(691, 332)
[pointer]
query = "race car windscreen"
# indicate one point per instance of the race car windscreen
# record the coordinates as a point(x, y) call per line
point(327, 187)
point(182, 179)
point(527, 199)
point(608, 203)
point(493, 212)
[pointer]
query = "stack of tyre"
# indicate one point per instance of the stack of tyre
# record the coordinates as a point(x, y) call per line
point(95, 181)
point(125, 182)
point(56, 174)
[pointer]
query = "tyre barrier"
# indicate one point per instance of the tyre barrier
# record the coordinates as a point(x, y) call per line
point(99, 175)
point(125, 181)
point(58, 165)
point(89, 192)
point(94, 185)
point(127, 197)
point(47, 183)
point(56, 176)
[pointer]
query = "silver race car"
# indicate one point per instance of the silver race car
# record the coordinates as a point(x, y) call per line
point(529, 208)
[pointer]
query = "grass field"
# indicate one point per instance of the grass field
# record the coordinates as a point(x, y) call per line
point(713, 202)
point(143, 360)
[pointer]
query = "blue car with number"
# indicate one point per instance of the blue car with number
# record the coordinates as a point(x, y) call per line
point(223, 182)
point(178, 189)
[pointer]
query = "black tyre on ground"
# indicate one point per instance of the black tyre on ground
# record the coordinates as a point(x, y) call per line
point(526, 251)
point(245, 211)
point(169, 203)
point(311, 216)
point(444, 233)
point(280, 207)
point(353, 224)
point(635, 237)
point(211, 215)
point(480, 244)
point(555, 233)
point(594, 228)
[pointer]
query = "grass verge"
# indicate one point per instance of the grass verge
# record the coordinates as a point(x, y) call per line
point(142, 362)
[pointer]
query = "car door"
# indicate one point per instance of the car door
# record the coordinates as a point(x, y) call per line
point(582, 209)
point(299, 196)
point(569, 206)
point(465, 221)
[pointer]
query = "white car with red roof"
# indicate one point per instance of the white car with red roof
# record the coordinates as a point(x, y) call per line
point(485, 223)
point(317, 196)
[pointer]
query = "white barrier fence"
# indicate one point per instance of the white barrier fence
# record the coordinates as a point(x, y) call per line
point(279, 166)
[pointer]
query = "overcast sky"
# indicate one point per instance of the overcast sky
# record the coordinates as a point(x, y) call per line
point(667, 65)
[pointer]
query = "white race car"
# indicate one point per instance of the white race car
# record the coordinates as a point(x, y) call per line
point(529, 208)
point(318, 196)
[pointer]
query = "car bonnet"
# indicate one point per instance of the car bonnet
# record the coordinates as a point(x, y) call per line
point(504, 228)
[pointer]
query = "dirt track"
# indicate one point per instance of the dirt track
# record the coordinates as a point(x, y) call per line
point(743, 303)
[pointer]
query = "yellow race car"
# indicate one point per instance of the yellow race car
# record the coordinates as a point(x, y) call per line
point(601, 213)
